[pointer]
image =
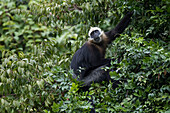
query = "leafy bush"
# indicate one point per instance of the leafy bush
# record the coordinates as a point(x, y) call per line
point(18, 29)
point(145, 65)
point(38, 39)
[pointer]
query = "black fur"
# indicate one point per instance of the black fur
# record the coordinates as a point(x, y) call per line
point(91, 57)
point(88, 57)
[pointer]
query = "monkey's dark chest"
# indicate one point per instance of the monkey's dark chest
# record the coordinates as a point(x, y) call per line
point(98, 51)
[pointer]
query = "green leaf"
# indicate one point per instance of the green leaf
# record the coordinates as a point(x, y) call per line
point(40, 84)
point(16, 103)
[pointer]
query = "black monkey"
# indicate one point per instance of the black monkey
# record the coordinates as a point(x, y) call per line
point(90, 58)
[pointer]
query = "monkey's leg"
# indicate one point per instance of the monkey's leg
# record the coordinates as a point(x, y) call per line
point(97, 75)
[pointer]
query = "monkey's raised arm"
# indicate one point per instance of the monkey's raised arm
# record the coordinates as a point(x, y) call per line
point(112, 34)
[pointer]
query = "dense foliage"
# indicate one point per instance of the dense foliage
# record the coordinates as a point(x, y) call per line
point(39, 37)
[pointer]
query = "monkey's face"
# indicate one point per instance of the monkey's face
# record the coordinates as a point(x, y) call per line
point(95, 34)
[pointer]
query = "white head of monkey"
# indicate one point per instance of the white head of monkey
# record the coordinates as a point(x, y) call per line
point(95, 34)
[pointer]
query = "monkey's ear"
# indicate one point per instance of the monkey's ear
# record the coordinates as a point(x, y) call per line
point(112, 34)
